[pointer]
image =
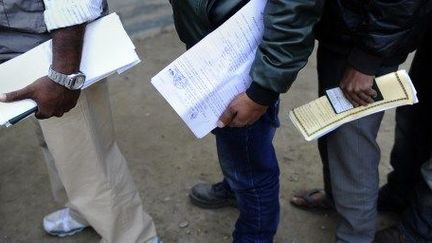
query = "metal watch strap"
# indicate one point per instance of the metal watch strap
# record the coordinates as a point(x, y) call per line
point(57, 77)
point(68, 81)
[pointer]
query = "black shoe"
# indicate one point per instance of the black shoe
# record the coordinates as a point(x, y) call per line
point(212, 196)
point(391, 235)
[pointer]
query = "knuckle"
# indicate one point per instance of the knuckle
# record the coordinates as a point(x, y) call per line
point(40, 116)
point(44, 114)
point(231, 109)
point(225, 115)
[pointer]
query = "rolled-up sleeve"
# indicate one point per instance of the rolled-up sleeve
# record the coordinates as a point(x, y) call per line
point(65, 13)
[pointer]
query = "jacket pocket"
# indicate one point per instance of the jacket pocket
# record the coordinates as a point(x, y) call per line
point(24, 15)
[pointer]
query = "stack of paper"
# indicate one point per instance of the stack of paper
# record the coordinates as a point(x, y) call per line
point(107, 50)
point(319, 117)
point(201, 83)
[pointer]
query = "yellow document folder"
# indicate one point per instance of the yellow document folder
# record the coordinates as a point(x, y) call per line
point(318, 117)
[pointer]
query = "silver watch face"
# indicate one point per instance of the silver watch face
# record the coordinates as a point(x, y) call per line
point(78, 82)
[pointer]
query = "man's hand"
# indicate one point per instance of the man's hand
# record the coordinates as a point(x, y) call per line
point(241, 112)
point(52, 99)
point(357, 87)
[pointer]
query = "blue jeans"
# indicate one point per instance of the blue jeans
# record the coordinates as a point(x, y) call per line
point(246, 155)
point(250, 167)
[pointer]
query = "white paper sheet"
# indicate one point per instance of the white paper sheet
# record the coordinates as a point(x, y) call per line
point(338, 100)
point(201, 83)
point(107, 49)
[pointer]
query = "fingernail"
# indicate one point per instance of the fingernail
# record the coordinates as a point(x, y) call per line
point(2, 97)
point(220, 124)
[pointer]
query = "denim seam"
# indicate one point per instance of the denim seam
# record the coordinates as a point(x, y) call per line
point(252, 181)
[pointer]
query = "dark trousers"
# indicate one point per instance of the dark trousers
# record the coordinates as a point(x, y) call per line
point(246, 155)
point(412, 148)
point(350, 157)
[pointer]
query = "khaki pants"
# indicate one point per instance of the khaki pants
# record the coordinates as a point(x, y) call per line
point(86, 165)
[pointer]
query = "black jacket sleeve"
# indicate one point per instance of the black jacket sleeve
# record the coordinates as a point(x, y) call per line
point(389, 28)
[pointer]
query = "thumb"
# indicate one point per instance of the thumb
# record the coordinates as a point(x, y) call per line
point(16, 95)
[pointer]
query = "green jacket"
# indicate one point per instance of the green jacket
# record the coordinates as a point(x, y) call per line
point(382, 32)
point(287, 43)
point(375, 33)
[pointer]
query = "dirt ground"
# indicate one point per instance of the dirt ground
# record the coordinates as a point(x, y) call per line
point(166, 160)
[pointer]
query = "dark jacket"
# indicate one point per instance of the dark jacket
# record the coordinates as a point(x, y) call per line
point(373, 33)
point(287, 42)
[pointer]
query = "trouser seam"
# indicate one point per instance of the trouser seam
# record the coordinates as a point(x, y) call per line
point(92, 137)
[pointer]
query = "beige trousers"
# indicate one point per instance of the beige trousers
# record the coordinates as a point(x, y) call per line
point(88, 171)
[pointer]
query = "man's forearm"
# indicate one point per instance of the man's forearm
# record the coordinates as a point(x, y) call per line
point(287, 43)
point(389, 31)
point(67, 44)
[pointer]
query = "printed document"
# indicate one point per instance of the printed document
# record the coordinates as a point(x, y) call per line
point(107, 50)
point(201, 83)
point(319, 117)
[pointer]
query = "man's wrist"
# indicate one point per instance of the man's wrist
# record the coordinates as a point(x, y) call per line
point(64, 68)
point(67, 48)
point(364, 62)
point(261, 95)
point(72, 81)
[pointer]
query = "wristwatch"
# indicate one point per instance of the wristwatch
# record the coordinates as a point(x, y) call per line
point(72, 81)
